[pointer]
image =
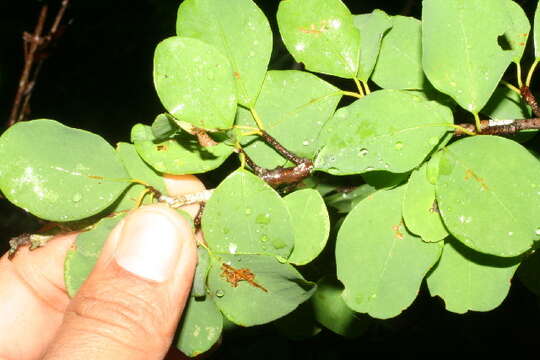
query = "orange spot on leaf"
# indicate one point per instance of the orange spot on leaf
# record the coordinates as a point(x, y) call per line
point(161, 148)
point(469, 174)
point(236, 74)
point(397, 231)
point(234, 276)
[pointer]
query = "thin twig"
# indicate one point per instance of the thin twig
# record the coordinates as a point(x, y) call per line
point(529, 98)
point(500, 127)
point(35, 46)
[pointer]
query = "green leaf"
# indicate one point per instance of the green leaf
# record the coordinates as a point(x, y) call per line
point(488, 193)
point(467, 280)
point(461, 53)
point(137, 168)
point(506, 104)
point(179, 155)
point(81, 258)
point(321, 34)
point(275, 290)
point(311, 225)
point(420, 211)
point(59, 173)
point(536, 34)
point(529, 272)
point(194, 82)
point(201, 326)
point(380, 263)
point(332, 312)
point(372, 135)
point(372, 27)
point(201, 273)
point(245, 215)
point(519, 29)
point(400, 59)
point(293, 106)
point(239, 29)
point(384, 179)
point(344, 202)
point(164, 126)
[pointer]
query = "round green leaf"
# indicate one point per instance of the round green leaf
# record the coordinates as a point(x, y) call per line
point(372, 26)
point(179, 155)
point(245, 215)
point(372, 135)
point(194, 82)
point(399, 65)
point(311, 225)
point(321, 34)
point(81, 258)
point(293, 106)
point(420, 211)
point(239, 29)
point(467, 280)
point(380, 263)
point(275, 289)
point(488, 193)
point(59, 173)
point(332, 312)
point(462, 56)
point(201, 326)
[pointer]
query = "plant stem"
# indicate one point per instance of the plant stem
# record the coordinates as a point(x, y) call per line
point(366, 87)
point(477, 122)
point(510, 86)
point(359, 86)
point(353, 94)
point(518, 74)
point(529, 98)
point(256, 117)
point(531, 72)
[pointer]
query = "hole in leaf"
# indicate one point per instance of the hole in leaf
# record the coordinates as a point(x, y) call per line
point(504, 43)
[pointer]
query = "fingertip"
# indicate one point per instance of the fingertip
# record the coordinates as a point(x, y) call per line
point(184, 184)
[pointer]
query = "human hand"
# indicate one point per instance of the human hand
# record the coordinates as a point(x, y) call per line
point(129, 306)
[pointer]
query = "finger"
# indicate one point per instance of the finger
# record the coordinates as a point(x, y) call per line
point(129, 306)
point(184, 184)
point(33, 298)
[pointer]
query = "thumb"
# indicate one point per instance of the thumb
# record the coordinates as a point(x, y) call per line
point(130, 305)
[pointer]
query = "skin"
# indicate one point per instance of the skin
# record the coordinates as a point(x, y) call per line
point(116, 314)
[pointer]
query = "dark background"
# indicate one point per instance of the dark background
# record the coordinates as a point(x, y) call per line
point(99, 78)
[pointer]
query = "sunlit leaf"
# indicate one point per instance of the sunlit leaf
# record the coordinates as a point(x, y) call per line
point(137, 168)
point(311, 225)
point(420, 210)
point(467, 280)
point(200, 327)
point(274, 289)
point(239, 29)
point(462, 52)
point(380, 263)
point(59, 173)
point(399, 65)
point(321, 34)
point(293, 106)
point(371, 135)
point(195, 83)
point(372, 27)
point(488, 192)
point(83, 255)
point(179, 155)
point(245, 215)
point(518, 33)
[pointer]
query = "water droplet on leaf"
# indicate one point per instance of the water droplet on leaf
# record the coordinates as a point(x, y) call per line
point(399, 145)
point(248, 211)
point(363, 152)
point(77, 197)
point(263, 219)
point(219, 293)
